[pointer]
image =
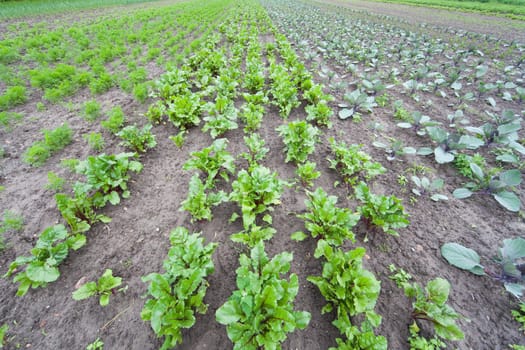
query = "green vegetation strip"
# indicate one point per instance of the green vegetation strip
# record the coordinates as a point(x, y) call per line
point(15, 9)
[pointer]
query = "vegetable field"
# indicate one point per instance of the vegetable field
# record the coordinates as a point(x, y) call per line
point(267, 174)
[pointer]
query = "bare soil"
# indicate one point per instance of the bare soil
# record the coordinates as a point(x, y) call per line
point(136, 242)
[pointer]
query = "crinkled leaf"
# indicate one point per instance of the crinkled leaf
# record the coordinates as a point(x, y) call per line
point(114, 198)
point(438, 290)
point(76, 242)
point(39, 271)
point(85, 291)
point(108, 282)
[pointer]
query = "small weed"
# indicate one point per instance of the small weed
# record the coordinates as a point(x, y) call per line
point(3, 331)
point(178, 139)
point(115, 121)
point(95, 141)
point(14, 96)
point(7, 119)
point(55, 182)
point(54, 140)
point(91, 110)
point(139, 140)
point(10, 222)
point(96, 345)
point(69, 164)
point(40, 106)
point(140, 92)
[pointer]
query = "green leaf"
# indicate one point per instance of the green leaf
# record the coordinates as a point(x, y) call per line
point(76, 242)
point(104, 219)
point(443, 157)
point(85, 291)
point(298, 236)
point(346, 113)
point(3, 331)
point(424, 151)
point(508, 200)
point(491, 101)
point(39, 271)
point(463, 258)
point(462, 193)
point(404, 125)
point(513, 249)
point(438, 290)
point(409, 150)
point(515, 289)
point(302, 319)
point(107, 281)
point(23, 287)
point(135, 166)
point(449, 331)
point(104, 299)
point(227, 314)
point(508, 158)
point(511, 177)
point(438, 197)
point(114, 198)
point(471, 142)
point(477, 171)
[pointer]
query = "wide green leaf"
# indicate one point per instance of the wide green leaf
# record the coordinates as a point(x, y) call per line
point(114, 198)
point(449, 331)
point(104, 299)
point(511, 177)
point(508, 200)
point(227, 314)
point(442, 156)
point(108, 282)
point(462, 257)
point(302, 319)
point(515, 289)
point(438, 290)
point(85, 291)
point(462, 193)
point(346, 113)
point(39, 271)
point(513, 249)
point(298, 236)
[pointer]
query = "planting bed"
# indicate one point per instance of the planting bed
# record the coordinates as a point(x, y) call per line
point(206, 73)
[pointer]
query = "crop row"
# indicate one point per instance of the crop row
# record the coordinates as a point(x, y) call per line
point(225, 78)
point(386, 62)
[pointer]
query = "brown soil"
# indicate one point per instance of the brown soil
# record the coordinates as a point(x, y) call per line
point(136, 241)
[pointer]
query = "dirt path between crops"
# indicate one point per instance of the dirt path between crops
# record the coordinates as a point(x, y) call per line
point(505, 28)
